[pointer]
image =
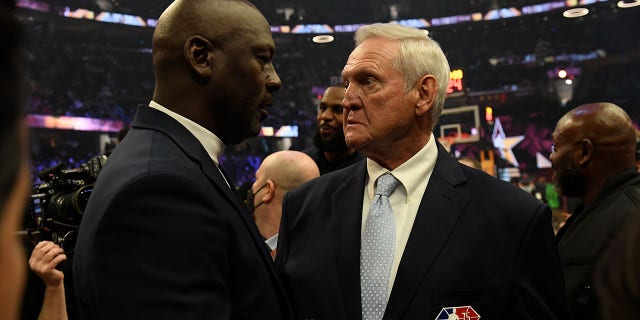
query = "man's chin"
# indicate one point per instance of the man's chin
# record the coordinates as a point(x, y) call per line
point(326, 138)
point(353, 143)
point(255, 130)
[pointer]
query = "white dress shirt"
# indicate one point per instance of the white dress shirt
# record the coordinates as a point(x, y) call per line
point(209, 141)
point(414, 176)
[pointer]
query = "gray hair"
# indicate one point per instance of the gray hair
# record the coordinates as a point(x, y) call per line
point(419, 55)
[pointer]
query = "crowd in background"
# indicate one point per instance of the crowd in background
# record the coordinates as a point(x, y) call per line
point(108, 73)
point(113, 89)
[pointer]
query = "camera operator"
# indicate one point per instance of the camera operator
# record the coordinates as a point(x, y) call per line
point(46, 256)
point(52, 223)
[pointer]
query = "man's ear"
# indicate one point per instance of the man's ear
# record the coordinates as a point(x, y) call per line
point(270, 193)
point(586, 151)
point(427, 90)
point(198, 52)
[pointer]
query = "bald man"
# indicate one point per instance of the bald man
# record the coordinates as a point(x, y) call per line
point(164, 236)
point(594, 160)
point(278, 173)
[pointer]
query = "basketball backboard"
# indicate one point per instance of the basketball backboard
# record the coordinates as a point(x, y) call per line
point(459, 125)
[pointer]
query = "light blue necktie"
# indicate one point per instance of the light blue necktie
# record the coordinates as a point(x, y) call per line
point(377, 250)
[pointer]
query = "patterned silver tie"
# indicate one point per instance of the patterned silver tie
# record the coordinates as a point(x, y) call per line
point(377, 250)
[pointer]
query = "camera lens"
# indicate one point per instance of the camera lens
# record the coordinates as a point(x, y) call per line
point(70, 205)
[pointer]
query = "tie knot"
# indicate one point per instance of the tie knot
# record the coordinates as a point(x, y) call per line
point(386, 184)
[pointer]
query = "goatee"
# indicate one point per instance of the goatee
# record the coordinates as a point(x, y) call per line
point(335, 144)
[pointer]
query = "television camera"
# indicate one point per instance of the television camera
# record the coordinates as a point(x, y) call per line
point(57, 204)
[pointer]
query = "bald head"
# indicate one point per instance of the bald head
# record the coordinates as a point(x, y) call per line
point(593, 142)
point(212, 63)
point(214, 20)
point(289, 169)
point(608, 127)
point(278, 173)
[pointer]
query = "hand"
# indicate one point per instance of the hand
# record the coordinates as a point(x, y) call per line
point(44, 259)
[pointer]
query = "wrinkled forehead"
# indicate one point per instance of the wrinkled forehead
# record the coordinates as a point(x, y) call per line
point(374, 52)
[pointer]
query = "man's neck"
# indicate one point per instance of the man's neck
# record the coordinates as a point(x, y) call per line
point(268, 223)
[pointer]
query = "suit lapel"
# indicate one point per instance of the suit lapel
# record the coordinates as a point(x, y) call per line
point(149, 118)
point(346, 222)
point(439, 211)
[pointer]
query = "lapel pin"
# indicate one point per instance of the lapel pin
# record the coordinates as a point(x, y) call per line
point(458, 313)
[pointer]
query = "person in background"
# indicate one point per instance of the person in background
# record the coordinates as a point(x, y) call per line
point(329, 150)
point(46, 256)
point(593, 159)
point(525, 183)
point(14, 170)
point(279, 172)
point(470, 162)
point(441, 240)
point(164, 234)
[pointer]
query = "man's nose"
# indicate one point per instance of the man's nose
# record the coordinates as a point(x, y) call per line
point(273, 81)
point(350, 99)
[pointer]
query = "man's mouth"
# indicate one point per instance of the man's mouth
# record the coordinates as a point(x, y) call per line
point(263, 113)
point(262, 108)
point(327, 129)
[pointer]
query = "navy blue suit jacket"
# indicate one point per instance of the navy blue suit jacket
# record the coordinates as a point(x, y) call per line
point(476, 241)
point(164, 237)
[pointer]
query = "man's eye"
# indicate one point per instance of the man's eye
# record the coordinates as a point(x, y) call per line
point(346, 84)
point(337, 110)
point(367, 81)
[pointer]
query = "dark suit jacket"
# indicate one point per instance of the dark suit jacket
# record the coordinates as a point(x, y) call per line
point(476, 241)
point(164, 237)
point(586, 234)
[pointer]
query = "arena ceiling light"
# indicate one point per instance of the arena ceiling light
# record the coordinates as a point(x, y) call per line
point(325, 38)
point(575, 12)
point(628, 4)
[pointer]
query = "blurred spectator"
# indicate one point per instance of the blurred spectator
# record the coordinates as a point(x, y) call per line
point(525, 183)
point(278, 173)
point(470, 162)
point(329, 150)
point(14, 173)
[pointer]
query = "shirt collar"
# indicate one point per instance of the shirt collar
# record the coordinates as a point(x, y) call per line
point(211, 143)
point(411, 172)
